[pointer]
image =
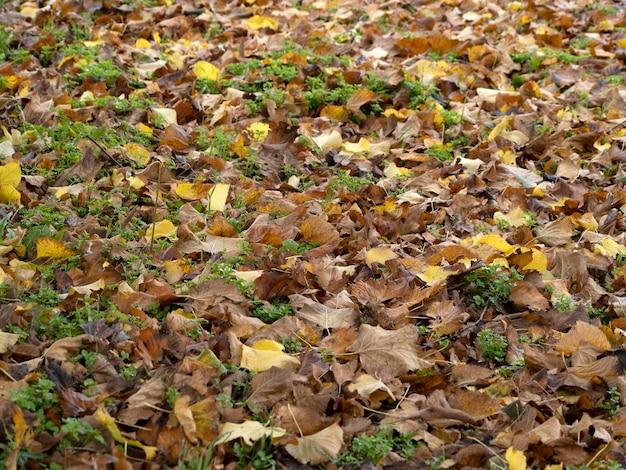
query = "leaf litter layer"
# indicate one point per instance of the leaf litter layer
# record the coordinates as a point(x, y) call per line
point(312, 234)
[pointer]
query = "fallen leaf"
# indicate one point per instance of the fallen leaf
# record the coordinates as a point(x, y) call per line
point(249, 431)
point(388, 351)
point(106, 420)
point(264, 355)
point(162, 229)
point(52, 249)
point(515, 459)
point(10, 177)
point(318, 448)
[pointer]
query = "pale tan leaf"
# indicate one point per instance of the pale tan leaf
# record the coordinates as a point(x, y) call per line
point(317, 448)
point(249, 431)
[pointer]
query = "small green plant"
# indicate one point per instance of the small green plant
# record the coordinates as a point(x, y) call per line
point(442, 153)
point(509, 371)
point(493, 345)
point(197, 458)
point(563, 302)
point(259, 456)
point(374, 448)
point(491, 285)
point(291, 344)
point(39, 397)
point(269, 313)
point(612, 401)
point(78, 433)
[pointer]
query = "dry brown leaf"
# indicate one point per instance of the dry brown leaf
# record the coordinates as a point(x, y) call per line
point(319, 447)
point(317, 230)
point(383, 352)
point(556, 233)
point(582, 333)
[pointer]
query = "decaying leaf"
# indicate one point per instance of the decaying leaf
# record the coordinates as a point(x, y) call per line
point(388, 351)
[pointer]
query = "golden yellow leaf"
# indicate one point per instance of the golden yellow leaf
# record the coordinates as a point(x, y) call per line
point(362, 146)
point(266, 354)
point(258, 131)
point(142, 43)
point(331, 111)
point(29, 11)
point(516, 459)
point(206, 70)
point(258, 22)
point(379, 254)
point(499, 128)
point(218, 195)
point(609, 247)
point(191, 191)
point(10, 177)
point(144, 128)
point(104, 418)
point(137, 153)
point(433, 274)
point(162, 229)
point(319, 447)
point(52, 249)
point(497, 242)
point(539, 261)
point(173, 271)
point(249, 431)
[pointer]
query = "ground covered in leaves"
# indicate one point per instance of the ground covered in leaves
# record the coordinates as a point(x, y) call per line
point(312, 234)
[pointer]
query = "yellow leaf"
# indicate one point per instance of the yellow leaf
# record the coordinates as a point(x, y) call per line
point(142, 44)
point(206, 70)
point(104, 418)
point(266, 354)
point(218, 196)
point(258, 131)
point(191, 191)
point(609, 247)
point(249, 431)
point(500, 128)
point(52, 249)
point(10, 177)
point(143, 128)
point(362, 146)
point(331, 111)
point(433, 274)
point(137, 153)
point(379, 254)
point(317, 448)
point(29, 11)
point(516, 459)
point(539, 262)
point(497, 242)
point(516, 218)
point(162, 229)
point(258, 22)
